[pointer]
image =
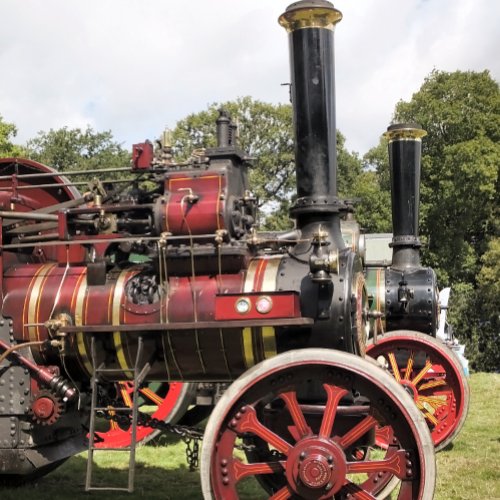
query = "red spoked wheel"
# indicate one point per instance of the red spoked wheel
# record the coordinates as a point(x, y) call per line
point(165, 401)
point(306, 419)
point(430, 372)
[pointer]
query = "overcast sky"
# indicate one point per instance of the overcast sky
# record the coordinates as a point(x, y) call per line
point(136, 66)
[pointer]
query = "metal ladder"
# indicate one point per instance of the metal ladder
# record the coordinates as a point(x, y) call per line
point(139, 373)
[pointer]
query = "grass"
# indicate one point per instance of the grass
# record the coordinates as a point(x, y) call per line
point(468, 469)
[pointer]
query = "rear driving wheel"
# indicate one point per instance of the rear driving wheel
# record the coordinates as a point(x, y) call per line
point(167, 402)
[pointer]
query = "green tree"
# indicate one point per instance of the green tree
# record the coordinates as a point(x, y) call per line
point(76, 149)
point(266, 134)
point(7, 132)
point(460, 200)
point(461, 157)
point(68, 149)
point(374, 189)
point(486, 340)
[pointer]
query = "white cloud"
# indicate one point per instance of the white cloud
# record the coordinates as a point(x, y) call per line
point(135, 66)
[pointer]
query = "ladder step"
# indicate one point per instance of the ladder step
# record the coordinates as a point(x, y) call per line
point(107, 488)
point(94, 448)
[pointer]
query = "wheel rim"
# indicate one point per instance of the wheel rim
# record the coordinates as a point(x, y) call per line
point(161, 400)
point(313, 458)
point(431, 375)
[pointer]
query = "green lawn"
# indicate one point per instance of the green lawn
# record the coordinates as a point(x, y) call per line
point(469, 469)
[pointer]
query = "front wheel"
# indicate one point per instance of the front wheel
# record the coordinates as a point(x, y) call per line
point(313, 414)
point(433, 376)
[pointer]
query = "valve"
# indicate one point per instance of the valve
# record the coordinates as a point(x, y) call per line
point(322, 263)
point(405, 294)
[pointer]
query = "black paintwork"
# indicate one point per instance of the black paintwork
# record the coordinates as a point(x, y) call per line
point(313, 97)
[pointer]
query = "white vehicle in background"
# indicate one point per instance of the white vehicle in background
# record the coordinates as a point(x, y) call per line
point(445, 331)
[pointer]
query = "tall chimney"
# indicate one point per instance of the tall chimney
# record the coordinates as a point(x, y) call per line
point(405, 151)
point(310, 24)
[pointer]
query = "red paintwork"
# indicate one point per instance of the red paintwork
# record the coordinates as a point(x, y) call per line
point(205, 215)
point(43, 408)
point(30, 292)
point(25, 200)
point(310, 465)
point(142, 155)
point(115, 437)
point(443, 372)
point(285, 305)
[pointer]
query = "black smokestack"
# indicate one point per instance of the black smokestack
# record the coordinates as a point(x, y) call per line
point(310, 25)
point(405, 152)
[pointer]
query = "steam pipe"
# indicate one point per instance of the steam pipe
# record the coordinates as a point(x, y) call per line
point(310, 24)
point(405, 152)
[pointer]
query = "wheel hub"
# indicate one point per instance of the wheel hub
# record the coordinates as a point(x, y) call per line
point(316, 466)
point(315, 471)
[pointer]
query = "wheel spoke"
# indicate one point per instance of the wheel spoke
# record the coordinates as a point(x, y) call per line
point(356, 491)
point(290, 399)
point(282, 494)
point(384, 436)
point(421, 374)
point(433, 383)
point(394, 366)
point(431, 418)
point(409, 365)
point(357, 431)
point(113, 425)
point(151, 395)
point(334, 394)
point(435, 402)
point(125, 396)
point(248, 422)
point(242, 470)
point(396, 465)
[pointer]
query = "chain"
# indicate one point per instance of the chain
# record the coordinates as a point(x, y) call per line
point(191, 436)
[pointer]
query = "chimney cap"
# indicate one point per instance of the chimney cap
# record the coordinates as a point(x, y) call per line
point(310, 14)
point(404, 131)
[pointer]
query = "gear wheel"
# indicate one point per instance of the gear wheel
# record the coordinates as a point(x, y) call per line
point(46, 408)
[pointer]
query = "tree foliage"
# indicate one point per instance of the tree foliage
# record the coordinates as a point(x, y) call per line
point(461, 157)
point(7, 132)
point(487, 333)
point(76, 149)
point(460, 198)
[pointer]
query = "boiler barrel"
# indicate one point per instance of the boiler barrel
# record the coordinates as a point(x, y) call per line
point(183, 337)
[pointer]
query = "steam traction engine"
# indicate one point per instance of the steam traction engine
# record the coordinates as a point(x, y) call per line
point(167, 281)
point(404, 300)
point(405, 303)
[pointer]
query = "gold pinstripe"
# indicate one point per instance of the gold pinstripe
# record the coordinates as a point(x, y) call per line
point(80, 338)
point(267, 333)
point(269, 341)
point(35, 298)
point(117, 336)
point(248, 347)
